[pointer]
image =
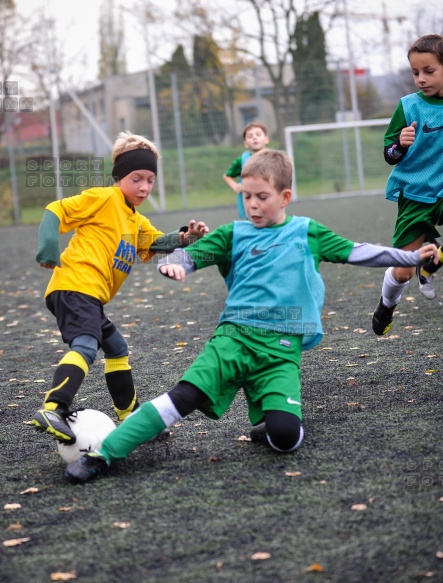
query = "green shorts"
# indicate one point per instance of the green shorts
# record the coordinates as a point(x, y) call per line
point(226, 364)
point(415, 219)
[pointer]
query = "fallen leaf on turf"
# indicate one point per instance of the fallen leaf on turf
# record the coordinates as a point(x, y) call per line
point(425, 574)
point(292, 474)
point(219, 565)
point(315, 568)
point(65, 508)
point(439, 554)
point(214, 459)
point(29, 491)
point(63, 576)
point(260, 556)
point(12, 506)
point(441, 499)
point(13, 542)
point(122, 524)
point(243, 438)
point(359, 507)
point(360, 330)
point(16, 526)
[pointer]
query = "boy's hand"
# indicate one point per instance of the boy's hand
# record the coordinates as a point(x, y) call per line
point(195, 231)
point(173, 271)
point(407, 136)
point(428, 252)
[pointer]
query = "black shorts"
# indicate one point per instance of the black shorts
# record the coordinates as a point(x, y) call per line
point(78, 314)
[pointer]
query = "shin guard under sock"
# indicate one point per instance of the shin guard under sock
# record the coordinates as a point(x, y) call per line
point(145, 423)
point(120, 385)
point(68, 377)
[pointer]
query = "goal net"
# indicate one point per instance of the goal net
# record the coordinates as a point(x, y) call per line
point(338, 159)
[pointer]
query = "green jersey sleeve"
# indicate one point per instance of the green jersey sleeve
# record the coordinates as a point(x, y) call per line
point(215, 248)
point(325, 245)
point(397, 123)
point(235, 168)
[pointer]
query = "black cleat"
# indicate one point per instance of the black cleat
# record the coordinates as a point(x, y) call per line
point(258, 433)
point(87, 467)
point(54, 423)
point(382, 318)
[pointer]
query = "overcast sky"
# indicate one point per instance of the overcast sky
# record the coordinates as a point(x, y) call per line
point(77, 26)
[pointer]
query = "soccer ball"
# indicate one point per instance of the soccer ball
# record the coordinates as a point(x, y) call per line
point(90, 428)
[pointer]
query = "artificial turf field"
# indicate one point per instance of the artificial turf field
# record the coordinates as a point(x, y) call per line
point(206, 505)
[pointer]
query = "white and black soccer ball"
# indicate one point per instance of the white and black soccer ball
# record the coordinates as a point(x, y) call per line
point(90, 428)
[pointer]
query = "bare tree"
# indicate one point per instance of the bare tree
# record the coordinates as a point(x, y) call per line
point(112, 50)
point(14, 44)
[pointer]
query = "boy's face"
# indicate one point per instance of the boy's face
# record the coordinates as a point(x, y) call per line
point(428, 73)
point(264, 205)
point(137, 186)
point(255, 140)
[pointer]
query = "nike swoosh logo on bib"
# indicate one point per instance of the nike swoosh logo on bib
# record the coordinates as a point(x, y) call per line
point(255, 251)
point(428, 130)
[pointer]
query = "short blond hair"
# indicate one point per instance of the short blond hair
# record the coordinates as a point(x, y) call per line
point(255, 124)
point(274, 166)
point(127, 141)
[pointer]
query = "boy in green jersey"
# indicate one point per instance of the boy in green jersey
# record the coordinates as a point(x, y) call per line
point(272, 312)
point(413, 144)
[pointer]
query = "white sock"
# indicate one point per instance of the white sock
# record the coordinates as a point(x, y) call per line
point(166, 409)
point(391, 290)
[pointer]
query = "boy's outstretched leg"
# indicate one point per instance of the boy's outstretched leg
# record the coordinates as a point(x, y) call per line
point(149, 420)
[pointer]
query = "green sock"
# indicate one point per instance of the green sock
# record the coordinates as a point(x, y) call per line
point(144, 424)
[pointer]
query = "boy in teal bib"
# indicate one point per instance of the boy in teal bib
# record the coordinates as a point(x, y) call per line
point(270, 264)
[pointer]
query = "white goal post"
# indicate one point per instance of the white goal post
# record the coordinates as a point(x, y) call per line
point(345, 125)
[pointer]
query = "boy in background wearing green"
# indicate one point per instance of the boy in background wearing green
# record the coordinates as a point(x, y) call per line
point(272, 312)
point(255, 139)
point(413, 144)
point(110, 235)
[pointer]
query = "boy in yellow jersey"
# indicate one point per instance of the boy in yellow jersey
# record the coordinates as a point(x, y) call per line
point(110, 235)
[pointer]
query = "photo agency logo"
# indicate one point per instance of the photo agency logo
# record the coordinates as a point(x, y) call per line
point(81, 172)
point(10, 101)
point(424, 473)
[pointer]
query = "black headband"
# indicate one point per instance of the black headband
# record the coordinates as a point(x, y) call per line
point(127, 162)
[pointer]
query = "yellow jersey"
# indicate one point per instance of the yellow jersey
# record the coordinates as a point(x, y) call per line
point(109, 237)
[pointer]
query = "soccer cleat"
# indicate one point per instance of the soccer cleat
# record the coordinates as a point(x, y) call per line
point(258, 433)
point(85, 468)
point(426, 285)
point(54, 423)
point(382, 318)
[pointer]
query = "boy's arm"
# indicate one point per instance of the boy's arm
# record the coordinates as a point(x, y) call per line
point(48, 252)
point(393, 150)
point(236, 186)
point(177, 265)
point(369, 255)
point(180, 238)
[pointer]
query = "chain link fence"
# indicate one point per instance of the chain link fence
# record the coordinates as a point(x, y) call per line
point(197, 119)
